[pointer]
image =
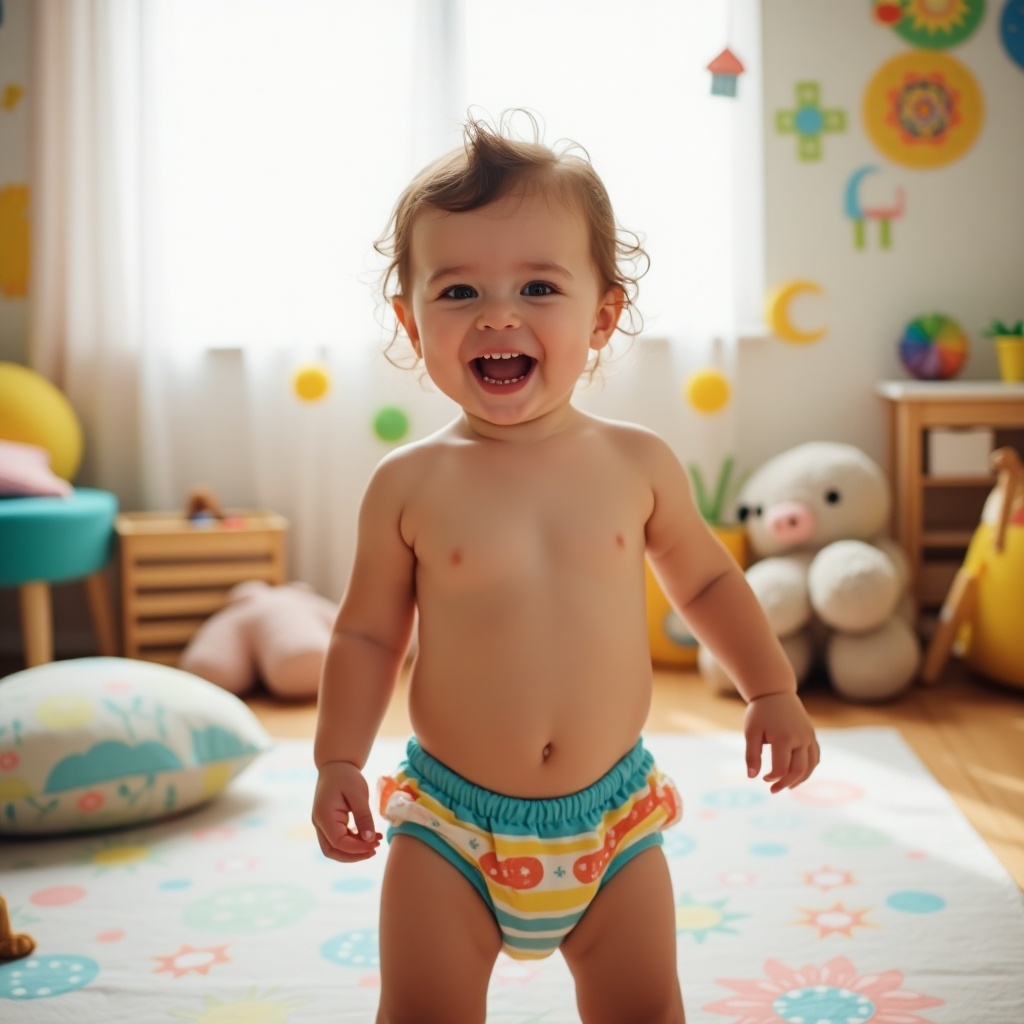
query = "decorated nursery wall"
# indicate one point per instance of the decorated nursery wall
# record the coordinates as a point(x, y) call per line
point(14, 185)
point(953, 242)
point(892, 141)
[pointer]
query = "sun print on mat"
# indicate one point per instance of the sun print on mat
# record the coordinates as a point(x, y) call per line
point(832, 994)
point(701, 919)
point(835, 920)
point(192, 960)
point(253, 1008)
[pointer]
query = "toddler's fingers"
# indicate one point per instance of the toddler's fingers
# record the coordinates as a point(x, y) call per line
point(781, 757)
point(365, 827)
point(753, 757)
point(797, 770)
point(813, 759)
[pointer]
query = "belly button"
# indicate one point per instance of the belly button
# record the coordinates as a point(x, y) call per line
point(546, 752)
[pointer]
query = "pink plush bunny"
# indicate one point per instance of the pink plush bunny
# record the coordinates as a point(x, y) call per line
point(277, 634)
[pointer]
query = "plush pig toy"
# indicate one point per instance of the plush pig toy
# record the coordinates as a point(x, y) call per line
point(833, 586)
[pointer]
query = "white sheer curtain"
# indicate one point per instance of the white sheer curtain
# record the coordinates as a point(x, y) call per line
point(211, 175)
point(88, 211)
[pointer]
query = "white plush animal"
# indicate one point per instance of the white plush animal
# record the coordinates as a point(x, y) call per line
point(833, 586)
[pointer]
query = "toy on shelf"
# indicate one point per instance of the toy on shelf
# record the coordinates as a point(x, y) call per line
point(981, 617)
point(933, 347)
point(277, 634)
point(833, 586)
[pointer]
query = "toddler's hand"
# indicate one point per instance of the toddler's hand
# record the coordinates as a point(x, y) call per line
point(341, 792)
point(780, 721)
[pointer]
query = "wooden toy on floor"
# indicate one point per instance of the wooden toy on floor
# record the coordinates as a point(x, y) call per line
point(12, 946)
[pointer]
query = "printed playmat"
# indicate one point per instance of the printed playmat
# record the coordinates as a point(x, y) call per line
point(863, 896)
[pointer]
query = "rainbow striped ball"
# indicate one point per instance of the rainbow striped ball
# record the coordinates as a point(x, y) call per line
point(933, 347)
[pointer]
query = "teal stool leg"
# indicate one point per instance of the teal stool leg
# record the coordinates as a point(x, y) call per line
point(37, 623)
point(98, 594)
point(37, 619)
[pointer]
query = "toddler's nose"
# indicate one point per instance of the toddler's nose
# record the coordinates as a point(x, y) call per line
point(497, 317)
point(790, 522)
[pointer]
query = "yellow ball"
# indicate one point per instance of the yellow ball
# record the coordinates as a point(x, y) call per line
point(708, 390)
point(34, 411)
point(311, 382)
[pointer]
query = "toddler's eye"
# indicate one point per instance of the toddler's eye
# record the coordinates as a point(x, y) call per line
point(459, 291)
point(535, 289)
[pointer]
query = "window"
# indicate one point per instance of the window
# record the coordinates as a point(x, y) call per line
point(284, 131)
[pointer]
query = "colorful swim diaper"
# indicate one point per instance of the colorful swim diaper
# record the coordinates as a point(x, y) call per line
point(537, 864)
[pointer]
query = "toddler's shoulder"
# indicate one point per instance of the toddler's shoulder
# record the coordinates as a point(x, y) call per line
point(637, 443)
point(408, 465)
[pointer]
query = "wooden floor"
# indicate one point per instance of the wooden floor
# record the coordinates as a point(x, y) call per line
point(969, 733)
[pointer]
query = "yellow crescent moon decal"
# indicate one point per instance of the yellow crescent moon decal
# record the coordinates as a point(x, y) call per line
point(777, 312)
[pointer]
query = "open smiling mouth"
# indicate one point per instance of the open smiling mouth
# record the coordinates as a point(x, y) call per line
point(503, 369)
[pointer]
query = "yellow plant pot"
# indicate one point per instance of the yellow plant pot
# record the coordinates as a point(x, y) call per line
point(672, 644)
point(1010, 352)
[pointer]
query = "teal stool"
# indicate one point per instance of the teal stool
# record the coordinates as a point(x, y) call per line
point(54, 540)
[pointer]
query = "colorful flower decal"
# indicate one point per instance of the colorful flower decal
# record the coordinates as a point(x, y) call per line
point(832, 994)
point(923, 109)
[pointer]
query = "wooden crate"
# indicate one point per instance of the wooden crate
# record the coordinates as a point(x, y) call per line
point(175, 574)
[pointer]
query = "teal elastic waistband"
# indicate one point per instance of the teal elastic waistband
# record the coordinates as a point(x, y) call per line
point(612, 789)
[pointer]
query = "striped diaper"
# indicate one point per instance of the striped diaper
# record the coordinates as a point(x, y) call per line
point(536, 863)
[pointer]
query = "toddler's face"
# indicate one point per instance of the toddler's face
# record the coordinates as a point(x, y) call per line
point(504, 306)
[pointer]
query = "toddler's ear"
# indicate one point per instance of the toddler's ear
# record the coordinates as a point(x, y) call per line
point(405, 317)
point(607, 318)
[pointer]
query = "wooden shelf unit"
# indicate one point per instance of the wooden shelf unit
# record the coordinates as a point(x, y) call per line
point(914, 408)
point(175, 574)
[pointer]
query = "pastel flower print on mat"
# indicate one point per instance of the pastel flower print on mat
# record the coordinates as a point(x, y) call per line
point(40, 977)
point(835, 920)
point(192, 960)
point(702, 919)
point(261, 907)
point(832, 994)
point(825, 878)
point(359, 947)
point(111, 855)
point(253, 1008)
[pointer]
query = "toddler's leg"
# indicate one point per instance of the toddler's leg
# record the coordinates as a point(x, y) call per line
point(438, 940)
point(623, 951)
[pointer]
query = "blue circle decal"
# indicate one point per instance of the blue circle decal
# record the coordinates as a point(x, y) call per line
point(769, 849)
point(357, 948)
point(353, 884)
point(913, 902)
point(40, 977)
point(824, 1005)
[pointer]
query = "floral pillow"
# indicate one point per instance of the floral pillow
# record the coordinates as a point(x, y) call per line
point(94, 743)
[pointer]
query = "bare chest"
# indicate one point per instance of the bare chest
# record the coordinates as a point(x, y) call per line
point(487, 526)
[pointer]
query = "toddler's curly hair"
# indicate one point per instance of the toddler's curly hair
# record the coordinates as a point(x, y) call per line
point(493, 164)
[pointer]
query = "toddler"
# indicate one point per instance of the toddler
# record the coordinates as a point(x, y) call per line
point(527, 815)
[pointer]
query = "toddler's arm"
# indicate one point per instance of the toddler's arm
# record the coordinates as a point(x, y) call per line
point(706, 586)
point(370, 637)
